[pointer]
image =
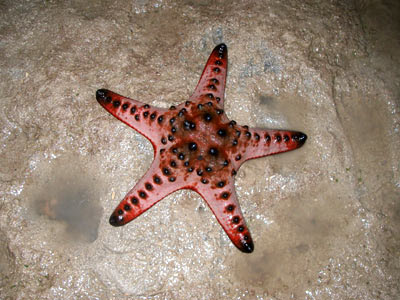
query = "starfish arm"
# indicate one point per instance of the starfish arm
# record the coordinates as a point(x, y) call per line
point(213, 79)
point(264, 142)
point(153, 187)
point(225, 206)
point(135, 114)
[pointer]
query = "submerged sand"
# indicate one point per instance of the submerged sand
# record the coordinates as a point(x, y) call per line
point(325, 218)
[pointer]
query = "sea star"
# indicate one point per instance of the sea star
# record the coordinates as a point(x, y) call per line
point(196, 147)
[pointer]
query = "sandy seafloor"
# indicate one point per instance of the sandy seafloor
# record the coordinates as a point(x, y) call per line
point(325, 218)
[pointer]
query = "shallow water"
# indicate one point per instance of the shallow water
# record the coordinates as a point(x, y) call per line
point(325, 218)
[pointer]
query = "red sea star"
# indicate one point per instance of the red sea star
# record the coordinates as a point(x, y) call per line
point(196, 147)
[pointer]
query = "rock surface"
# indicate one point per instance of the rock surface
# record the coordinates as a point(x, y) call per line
point(325, 219)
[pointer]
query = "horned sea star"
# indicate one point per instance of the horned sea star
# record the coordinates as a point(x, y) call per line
point(196, 147)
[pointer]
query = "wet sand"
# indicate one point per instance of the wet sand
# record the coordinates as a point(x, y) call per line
point(325, 218)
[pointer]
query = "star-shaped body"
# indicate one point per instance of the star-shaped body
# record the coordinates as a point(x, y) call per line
point(196, 147)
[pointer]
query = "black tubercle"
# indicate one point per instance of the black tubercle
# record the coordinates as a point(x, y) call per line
point(114, 221)
point(157, 179)
point(192, 146)
point(225, 195)
point(182, 112)
point(299, 137)
point(222, 50)
point(207, 117)
point(221, 184)
point(101, 94)
point(189, 125)
point(213, 151)
point(221, 132)
point(247, 246)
